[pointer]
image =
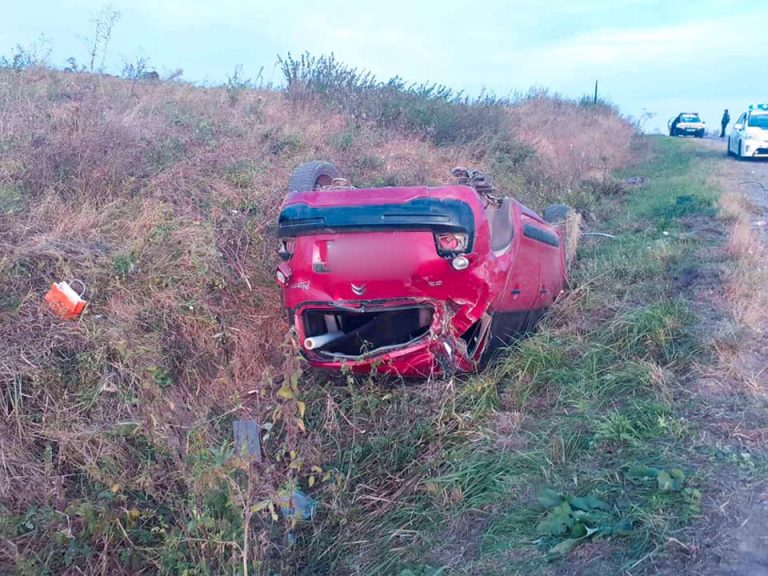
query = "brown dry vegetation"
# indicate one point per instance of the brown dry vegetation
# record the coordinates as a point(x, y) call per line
point(161, 197)
point(748, 273)
point(738, 343)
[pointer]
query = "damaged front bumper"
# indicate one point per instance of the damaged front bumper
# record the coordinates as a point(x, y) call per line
point(399, 337)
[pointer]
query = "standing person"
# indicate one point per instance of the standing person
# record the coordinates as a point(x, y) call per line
point(724, 122)
point(673, 126)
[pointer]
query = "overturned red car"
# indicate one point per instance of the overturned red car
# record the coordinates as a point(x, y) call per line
point(412, 281)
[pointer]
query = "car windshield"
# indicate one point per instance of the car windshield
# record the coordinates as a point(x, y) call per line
point(689, 118)
point(758, 121)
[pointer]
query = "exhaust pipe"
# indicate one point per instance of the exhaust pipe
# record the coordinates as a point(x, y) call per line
point(314, 342)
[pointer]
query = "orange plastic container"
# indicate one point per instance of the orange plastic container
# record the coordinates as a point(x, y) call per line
point(64, 301)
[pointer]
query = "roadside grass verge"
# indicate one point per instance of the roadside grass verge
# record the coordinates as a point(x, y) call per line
point(748, 275)
point(116, 430)
point(447, 477)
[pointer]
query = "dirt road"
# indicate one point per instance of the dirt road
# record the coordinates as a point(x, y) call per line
point(731, 397)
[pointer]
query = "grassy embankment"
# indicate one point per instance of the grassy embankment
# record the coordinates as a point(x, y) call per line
point(162, 197)
point(470, 476)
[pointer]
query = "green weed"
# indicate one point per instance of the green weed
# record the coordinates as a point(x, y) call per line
point(657, 332)
point(122, 265)
point(285, 144)
point(242, 173)
point(165, 154)
point(11, 199)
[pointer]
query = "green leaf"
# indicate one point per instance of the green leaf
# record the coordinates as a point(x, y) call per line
point(579, 531)
point(548, 498)
point(678, 479)
point(563, 549)
point(594, 519)
point(622, 528)
point(587, 503)
point(640, 473)
point(665, 481)
point(259, 506)
point(557, 521)
point(671, 481)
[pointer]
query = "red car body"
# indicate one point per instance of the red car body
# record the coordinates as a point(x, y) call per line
point(370, 282)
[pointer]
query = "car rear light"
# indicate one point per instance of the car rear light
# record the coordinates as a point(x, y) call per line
point(460, 263)
point(450, 243)
point(283, 274)
point(285, 249)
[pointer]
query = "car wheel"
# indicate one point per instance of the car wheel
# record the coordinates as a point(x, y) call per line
point(728, 148)
point(700, 134)
point(741, 151)
point(311, 175)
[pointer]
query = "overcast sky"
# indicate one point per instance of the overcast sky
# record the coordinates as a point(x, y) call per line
point(655, 56)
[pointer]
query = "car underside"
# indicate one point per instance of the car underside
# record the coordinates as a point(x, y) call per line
point(411, 281)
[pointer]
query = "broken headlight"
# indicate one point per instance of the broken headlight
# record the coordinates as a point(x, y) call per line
point(450, 243)
point(285, 249)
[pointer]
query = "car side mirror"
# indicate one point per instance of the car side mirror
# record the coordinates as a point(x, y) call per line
point(738, 126)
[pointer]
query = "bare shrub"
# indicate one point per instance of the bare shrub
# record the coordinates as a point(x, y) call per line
point(434, 111)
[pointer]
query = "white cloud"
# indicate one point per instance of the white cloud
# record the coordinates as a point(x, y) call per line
point(632, 52)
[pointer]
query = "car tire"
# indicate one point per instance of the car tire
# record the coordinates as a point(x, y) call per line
point(741, 151)
point(728, 148)
point(310, 175)
point(700, 134)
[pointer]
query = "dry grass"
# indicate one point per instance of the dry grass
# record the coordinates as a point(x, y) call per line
point(572, 232)
point(736, 342)
point(748, 274)
point(162, 198)
point(566, 150)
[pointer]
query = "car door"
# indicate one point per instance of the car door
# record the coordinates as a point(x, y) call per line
point(737, 134)
point(502, 223)
point(520, 265)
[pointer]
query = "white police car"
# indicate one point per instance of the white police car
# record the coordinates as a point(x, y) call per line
point(687, 124)
point(749, 135)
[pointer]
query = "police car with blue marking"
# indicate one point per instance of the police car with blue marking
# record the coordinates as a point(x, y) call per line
point(749, 135)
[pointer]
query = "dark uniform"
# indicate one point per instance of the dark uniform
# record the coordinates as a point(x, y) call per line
point(724, 123)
